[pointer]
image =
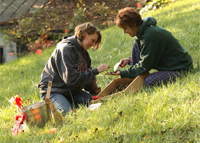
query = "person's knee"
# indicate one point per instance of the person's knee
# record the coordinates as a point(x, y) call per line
point(149, 82)
point(61, 104)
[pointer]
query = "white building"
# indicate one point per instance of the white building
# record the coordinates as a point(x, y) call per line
point(8, 51)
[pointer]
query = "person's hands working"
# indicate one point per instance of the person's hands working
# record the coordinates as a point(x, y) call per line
point(124, 62)
point(103, 67)
point(113, 73)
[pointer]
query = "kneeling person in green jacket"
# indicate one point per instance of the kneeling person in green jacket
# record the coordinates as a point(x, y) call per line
point(154, 48)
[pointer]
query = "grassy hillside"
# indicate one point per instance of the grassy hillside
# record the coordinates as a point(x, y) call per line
point(160, 114)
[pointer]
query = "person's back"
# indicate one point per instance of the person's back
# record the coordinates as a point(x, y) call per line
point(168, 53)
point(154, 48)
point(69, 69)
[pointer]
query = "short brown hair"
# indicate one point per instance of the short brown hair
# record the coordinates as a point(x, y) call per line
point(90, 29)
point(128, 16)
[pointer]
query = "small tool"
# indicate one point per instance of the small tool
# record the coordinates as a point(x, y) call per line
point(116, 66)
point(95, 97)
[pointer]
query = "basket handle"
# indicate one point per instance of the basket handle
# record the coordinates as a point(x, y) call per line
point(49, 89)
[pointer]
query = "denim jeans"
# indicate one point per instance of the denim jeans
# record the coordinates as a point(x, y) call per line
point(64, 105)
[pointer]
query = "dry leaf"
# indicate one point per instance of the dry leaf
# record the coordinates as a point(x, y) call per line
point(146, 137)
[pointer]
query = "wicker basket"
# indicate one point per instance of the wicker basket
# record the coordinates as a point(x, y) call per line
point(37, 114)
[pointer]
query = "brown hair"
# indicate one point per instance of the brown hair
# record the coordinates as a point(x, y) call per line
point(128, 16)
point(90, 29)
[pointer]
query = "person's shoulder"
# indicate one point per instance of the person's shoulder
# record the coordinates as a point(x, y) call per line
point(65, 47)
point(150, 33)
point(155, 32)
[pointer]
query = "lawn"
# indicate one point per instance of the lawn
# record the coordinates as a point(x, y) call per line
point(160, 114)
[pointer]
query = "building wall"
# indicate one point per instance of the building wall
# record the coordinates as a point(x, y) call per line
point(8, 50)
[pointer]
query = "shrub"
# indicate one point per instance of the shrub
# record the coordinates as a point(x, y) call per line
point(155, 4)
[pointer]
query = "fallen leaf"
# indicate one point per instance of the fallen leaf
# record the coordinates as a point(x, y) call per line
point(190, 141)
point(162, 132)
point(125, 116)
point(75, 137)
point(171, 109)
point(146, 137)
point(53, 130)
point(120, 113)
point(60, 140)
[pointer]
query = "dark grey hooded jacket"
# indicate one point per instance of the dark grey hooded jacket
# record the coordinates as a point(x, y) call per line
point(69, 68)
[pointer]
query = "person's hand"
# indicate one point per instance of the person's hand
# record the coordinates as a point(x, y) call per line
point(113, 73)
point(103, 67)
point(124, 62)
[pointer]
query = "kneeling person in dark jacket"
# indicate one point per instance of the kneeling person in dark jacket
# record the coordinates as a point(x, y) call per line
point(69, 69)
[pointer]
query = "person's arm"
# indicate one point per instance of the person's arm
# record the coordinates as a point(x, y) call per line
point(67, 68)
point(93, 88)
point(149, 51)
point(124, 62)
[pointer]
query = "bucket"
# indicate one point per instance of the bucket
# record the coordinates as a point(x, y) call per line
point(37, 114)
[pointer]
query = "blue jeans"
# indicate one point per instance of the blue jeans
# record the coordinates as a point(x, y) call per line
point(64, 105)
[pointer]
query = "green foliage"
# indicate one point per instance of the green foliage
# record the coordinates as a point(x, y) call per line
point(82, 12)
point(40, 43)
point(100, 8)
point(30, 33)
point(80, 16)
point(159, 114)
point(155, 4)
point(30, 29)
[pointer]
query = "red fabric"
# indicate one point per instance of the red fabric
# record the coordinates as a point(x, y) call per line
point(18, 102)
point(95, 97)
point(18, 122)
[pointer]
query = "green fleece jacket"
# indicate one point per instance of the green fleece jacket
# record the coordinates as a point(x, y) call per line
point(159, 49)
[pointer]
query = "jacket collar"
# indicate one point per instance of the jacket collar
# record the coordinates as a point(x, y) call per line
point(73, 39)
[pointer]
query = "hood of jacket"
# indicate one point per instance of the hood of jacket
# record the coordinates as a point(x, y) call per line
point(147, 22)
point(73, 40)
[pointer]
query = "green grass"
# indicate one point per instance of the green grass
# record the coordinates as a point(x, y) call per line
point(161, 114)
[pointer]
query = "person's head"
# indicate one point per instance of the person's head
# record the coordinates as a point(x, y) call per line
point(129, 20)
point(88, 36)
